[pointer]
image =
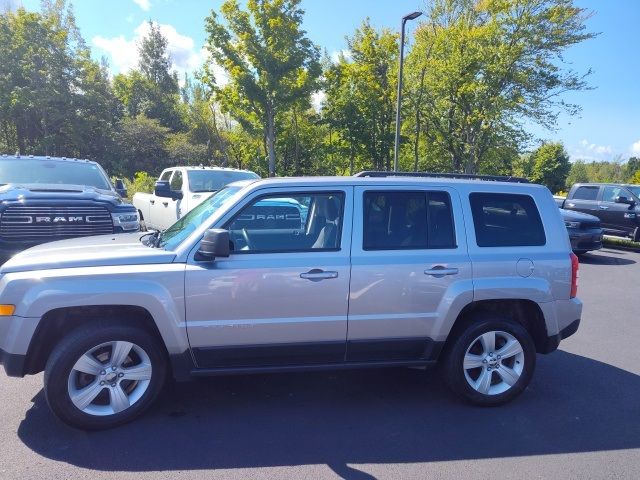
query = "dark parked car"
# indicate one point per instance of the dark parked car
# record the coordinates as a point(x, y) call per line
point(43, 199)
point(584, 231)
point(616, 205)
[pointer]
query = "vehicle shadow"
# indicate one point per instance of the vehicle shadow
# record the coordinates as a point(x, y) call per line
point(600, 259)
point(574, 404)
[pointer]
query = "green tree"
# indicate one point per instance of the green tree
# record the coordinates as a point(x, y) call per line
point(360, 93)
point(270, 62)
point(140, 144)
point(489, 65)
point(550, 166)
point(577, 174)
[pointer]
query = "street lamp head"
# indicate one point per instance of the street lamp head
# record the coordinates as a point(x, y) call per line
point(411, 16)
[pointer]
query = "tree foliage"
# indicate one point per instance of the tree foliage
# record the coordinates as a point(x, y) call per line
point(485, 66)
point(271, 63)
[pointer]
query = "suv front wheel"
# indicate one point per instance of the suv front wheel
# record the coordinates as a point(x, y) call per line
point(101, 376)
point(491, 362)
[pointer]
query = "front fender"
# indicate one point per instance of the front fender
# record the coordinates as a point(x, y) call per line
point(159, 289)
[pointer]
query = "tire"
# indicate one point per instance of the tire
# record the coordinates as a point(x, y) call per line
point(636, 235)
point(139, 376)
point(508, 377)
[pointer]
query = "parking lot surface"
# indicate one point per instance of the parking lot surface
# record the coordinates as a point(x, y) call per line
point(580, 418)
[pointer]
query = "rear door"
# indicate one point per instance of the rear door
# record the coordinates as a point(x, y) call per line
point(585, 199)
point(409, 255)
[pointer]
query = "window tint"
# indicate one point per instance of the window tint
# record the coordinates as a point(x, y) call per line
point(609, 194)
point(504, 220)
point(396, 220)
point(166, 176)
point(176, 180)
point(586, 193)
point(54, 172)
point(289, 223)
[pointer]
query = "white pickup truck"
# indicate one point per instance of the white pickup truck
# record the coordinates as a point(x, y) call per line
point(179, 189)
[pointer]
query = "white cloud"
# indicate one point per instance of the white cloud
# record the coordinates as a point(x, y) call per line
point(346, 53)
point(124, 53)
point(635, 148)
point(592, 151)
point(317, 99)
point(143, 4)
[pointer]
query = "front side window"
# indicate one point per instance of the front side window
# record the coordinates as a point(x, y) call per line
point(610, 194)
point(506, 220)
point(176, 181)
point(289, 223)
point(166, 176)
point(399, 220)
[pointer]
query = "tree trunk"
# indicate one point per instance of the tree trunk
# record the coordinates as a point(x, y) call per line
point(271, 140)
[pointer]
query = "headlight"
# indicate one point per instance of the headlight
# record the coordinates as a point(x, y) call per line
point(572, 224)
point(126, 221)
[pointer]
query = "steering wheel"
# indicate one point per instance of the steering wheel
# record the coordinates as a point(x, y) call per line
point(247, 242)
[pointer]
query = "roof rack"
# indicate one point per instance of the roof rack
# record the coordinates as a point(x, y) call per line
point(464, 176)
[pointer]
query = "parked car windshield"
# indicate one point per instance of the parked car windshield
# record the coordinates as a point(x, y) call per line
point(52, 172)
point(213, 180)
point(179, 231)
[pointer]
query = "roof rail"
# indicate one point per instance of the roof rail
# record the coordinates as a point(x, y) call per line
point(464, 176)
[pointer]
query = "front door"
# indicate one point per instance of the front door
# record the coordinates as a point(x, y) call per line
point(281, 298)
point(408, 255)
point(618, 217)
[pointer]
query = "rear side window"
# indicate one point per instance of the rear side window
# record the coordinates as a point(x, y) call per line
point(505, 220)
point(399, 220)
point(586, 193)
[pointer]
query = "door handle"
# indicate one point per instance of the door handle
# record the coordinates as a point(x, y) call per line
point(604, 207)
point(439, 271)
point(152, 202)
point(166, 204)
point(316, 275)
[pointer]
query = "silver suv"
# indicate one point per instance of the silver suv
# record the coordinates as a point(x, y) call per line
point(293, 274)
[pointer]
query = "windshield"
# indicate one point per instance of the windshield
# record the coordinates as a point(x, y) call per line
point(213, 180)
point(179, 231)
point(30, 171)
point(635, 189)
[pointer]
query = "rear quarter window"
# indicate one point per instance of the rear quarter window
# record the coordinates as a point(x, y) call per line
point(506, 220)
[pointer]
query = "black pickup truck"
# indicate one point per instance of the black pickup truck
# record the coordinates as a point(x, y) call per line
point(44, 199)
point(616, 205)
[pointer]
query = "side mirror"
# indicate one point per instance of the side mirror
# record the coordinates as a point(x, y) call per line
point(120, 187)
point(215, 243)
point(625, 200)
point(162, 189)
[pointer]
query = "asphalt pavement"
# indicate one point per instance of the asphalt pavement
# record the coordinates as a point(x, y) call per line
point(580, 418)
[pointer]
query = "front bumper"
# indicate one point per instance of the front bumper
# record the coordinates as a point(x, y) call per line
point(585, 240)
point(13, 364)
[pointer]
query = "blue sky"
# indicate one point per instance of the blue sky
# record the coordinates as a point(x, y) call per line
point(607, 129)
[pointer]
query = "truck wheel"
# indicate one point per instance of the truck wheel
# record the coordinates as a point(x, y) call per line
point(491, 362)
point(636, 235)
point(100, 376)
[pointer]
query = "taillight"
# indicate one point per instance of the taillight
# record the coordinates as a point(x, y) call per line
point(574, 274)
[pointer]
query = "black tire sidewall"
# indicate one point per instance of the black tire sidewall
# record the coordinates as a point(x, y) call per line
point(69, 350)
point(454, 371)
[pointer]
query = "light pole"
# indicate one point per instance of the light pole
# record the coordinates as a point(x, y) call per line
point(396, 149)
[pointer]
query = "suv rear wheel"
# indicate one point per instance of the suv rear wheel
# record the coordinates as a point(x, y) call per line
point(98, 378)
point(491, 362)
